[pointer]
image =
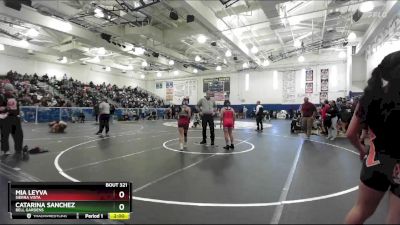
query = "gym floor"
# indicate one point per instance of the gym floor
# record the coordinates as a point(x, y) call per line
point(270, 177)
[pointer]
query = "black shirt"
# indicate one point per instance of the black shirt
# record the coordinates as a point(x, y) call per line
point(9, 104)
point(383, 119)
point(333, 111)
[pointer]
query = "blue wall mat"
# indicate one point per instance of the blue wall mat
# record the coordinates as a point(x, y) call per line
point(29, 114)
point(51, 114)
point(48, 114)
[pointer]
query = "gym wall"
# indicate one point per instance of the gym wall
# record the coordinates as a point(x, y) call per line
point(381, 51)
point(261, 85)
point(84, 73)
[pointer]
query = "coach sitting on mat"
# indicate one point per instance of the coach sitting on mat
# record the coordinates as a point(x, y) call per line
point(207, 109)
point(57, 126)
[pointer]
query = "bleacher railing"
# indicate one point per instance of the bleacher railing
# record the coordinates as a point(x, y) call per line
point(36, 114)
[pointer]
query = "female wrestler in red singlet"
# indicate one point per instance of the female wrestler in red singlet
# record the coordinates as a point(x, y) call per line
point(183, 122)
point(228, 122)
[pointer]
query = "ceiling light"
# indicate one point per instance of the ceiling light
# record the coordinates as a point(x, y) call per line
point(195, 70)
point(293, 21)
point(218, 68)
point(64, 60)
point(144, 64)
point(225, 62)
point(139, 51)
point(352, 36)
point(129, 47)
point(32, 33)
point(171, 62)
point(96, 59)
point(245, 65)
point(101, 51)
point(60, 25)
point(201, 39)
point(99, 15)
point(297, 43)
point(65, 26)
point(176, 72)
point(254, 50)
point(301, 58)
point(342, 55)
point(1, 47)
point(142, 76)
point(108, 69)
point(197, 58)
point(228, 53)
point(136, 4)
point(367, 6)
point(98, 10)
point(266, 62)
point(24, 43)
point(159, 74)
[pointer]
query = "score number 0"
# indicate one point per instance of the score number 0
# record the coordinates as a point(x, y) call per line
point(121, 195)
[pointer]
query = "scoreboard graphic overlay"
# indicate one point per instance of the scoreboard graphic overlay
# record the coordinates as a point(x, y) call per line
point(55, 200)
point(219, 87)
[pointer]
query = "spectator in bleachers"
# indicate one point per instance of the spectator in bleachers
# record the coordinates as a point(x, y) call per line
point(78, 93)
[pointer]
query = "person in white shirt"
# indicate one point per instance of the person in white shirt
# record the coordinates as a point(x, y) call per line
point(244, 112)
point(104, 112)
point(259, 116)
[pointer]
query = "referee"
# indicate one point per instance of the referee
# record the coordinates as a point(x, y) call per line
point(207, 108)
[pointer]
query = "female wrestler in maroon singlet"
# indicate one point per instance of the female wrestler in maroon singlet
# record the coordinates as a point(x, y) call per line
point(183, 122)
point(228, 122)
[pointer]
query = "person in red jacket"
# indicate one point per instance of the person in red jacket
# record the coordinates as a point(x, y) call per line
point(325, 107)
point(228, 122)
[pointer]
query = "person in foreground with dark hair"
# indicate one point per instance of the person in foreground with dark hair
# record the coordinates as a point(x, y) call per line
point(11, 123)
point(228, 122)
point(379, 110)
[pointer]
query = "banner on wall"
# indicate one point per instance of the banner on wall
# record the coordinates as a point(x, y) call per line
point(289, 87)
point(169, 91)
point(184, 88)
point(309, 88)
point(323, 95)
point(169, 84)
point(159, 85)
point(324, 80)
point(309, 75)
point(219, 87)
